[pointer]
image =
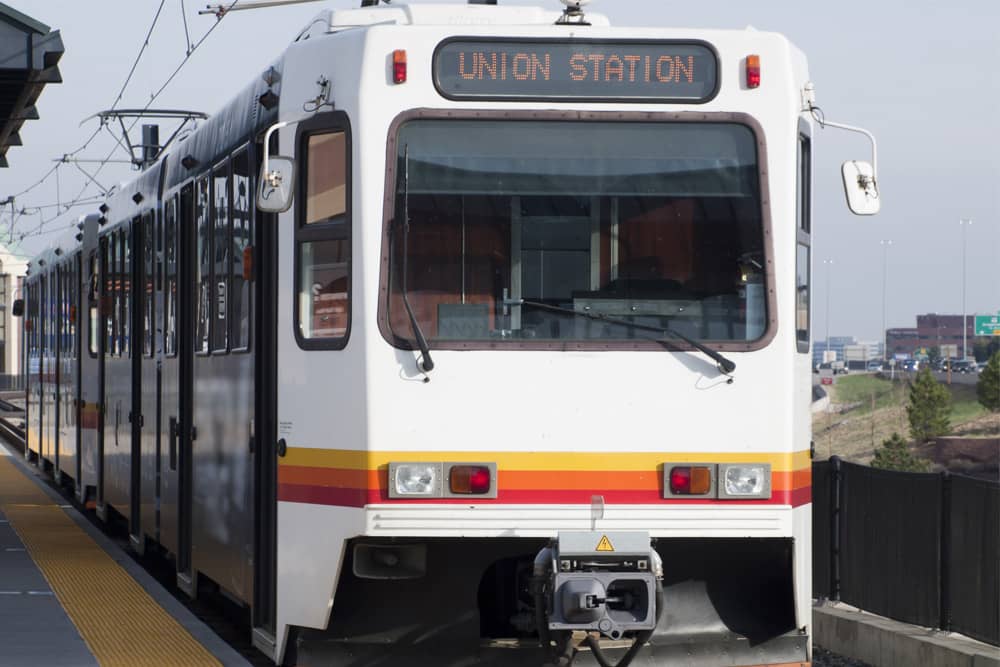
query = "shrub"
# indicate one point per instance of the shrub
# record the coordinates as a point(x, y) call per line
point(929, 406)
point(895, 454)
point(988, 387)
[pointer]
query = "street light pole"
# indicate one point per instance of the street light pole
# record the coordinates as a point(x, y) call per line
point(885, 243)
point(964, 222)
point(829, 288)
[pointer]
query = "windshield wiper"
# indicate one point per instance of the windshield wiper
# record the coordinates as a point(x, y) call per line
point(724, 365)
point(426, 364)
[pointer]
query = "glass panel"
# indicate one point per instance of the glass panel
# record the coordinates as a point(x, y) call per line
point(222, 262)
point(148, 292)
point(323, 288)
point(802, 297)
point(203, 277)
point(804, 192)
point(656, 224)
point(126, 294)
point(239, 302)
point(112, 290)
point(326, 177)
point(170, 273)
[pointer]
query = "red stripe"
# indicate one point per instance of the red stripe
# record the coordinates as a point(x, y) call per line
point(345, 497)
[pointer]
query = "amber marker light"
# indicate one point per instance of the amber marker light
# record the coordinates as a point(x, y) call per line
point(399, 66)
point(753, 71)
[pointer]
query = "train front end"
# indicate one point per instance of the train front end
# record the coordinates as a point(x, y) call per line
point(547, 400)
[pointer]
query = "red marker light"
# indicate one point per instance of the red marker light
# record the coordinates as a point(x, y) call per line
point(399, 66)
point(469, 479)
point(690, 480)
point(680, 480)
point(753, 71)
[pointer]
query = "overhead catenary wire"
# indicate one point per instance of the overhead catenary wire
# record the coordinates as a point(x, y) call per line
point(92, 177)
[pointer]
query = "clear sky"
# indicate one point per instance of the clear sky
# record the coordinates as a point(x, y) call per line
point(921, 74)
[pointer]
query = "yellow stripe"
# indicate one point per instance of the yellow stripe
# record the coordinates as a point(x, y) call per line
point(365, 460)
point(120, 622)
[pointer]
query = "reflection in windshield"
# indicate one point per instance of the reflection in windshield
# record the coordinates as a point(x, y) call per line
point(655, 223)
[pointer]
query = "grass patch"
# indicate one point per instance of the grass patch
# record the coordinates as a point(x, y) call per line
point(861, 388)
point(965, 405)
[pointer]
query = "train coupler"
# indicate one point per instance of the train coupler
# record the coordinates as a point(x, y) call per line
point(593, 584)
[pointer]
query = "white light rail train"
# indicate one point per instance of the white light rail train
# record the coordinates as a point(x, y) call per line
point(463, 335)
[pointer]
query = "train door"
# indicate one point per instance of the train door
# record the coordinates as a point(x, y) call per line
point(89, 406)
point(137, 298)
point(263, 271)
point(148, 397)
point(176, 327)
point(223, 396)
point(105, 348)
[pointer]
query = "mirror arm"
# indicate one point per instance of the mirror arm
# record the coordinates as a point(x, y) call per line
point(267, 147)
point(818, 115)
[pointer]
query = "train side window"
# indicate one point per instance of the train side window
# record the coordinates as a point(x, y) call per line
point(93, 331)
point(241, 285)
point(111, 280)
point(803, 207)
point(203, 279)
point(222, 263)
point(323, 237)
point(148, 291)
point(170, 277)
point(126, 287)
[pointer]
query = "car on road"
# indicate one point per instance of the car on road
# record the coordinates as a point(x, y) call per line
point(874, 366)
point(963, 366)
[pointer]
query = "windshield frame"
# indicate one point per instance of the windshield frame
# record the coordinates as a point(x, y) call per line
point(651, 344)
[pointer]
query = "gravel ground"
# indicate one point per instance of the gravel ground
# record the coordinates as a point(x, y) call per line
point(823, 658)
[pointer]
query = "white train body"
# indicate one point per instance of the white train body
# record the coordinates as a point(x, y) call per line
point(513, 349)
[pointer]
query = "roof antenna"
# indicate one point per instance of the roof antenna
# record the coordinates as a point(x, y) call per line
point(573, 15)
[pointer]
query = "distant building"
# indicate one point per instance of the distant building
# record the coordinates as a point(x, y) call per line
point(12, 269)
point(932, 331)
point(835, 345)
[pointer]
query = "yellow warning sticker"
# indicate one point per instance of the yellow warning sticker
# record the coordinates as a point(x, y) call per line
point(604, 544)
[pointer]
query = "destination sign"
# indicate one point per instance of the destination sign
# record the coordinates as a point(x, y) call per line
point(630, 71)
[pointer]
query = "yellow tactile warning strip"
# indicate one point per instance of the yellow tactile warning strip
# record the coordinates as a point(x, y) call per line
point(122, 625)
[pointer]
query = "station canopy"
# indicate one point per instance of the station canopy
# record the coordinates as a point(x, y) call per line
point(29, 53)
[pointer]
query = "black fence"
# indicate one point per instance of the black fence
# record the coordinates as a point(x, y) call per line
point(919, 548)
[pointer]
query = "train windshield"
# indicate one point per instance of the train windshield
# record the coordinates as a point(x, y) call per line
point(652, 223)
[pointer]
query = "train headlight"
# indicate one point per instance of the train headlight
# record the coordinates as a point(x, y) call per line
point(414, 479)
point(745, 480)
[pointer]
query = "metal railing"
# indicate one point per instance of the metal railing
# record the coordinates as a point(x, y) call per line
point(920, 548)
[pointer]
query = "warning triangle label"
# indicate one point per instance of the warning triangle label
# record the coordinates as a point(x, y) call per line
point(604, 544)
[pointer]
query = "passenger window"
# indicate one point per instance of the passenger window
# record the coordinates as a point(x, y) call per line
point(148, 293)
point(93, 330)
point(111, 289)
point(222, 262)
point(326, 177)
point(125, 281)
point(323, 240)
point(239, 302)
point(170, 276)
point(203, 279)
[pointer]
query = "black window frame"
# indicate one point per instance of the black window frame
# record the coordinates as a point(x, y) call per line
point(325, 123)
point(234, 321)
point(171, 215)
point(202, 346)
point(803, 225)
point(220, 326)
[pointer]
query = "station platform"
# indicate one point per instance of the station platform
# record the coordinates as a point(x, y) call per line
point(71, 597)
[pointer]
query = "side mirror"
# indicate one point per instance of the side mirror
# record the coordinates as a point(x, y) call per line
point(860, 188)
point(17, 309)
point(277, 179)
